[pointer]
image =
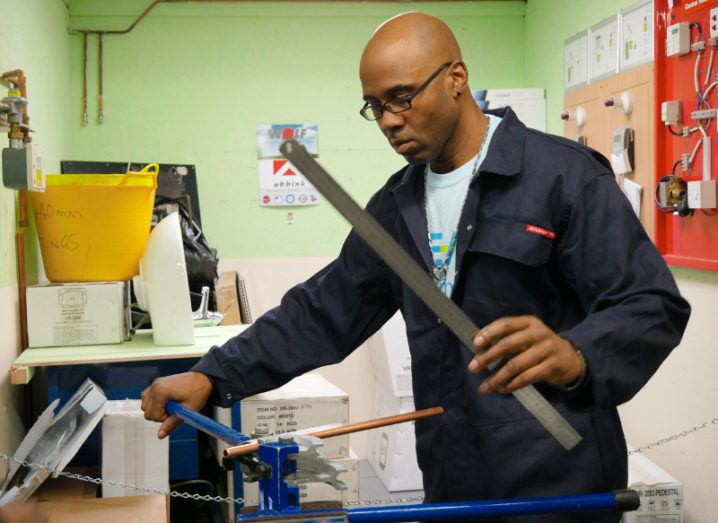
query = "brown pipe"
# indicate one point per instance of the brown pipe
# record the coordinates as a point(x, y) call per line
point(101, 113)
point(21, 270)
point(121, 31)
point(253, 445)
point(84, 79)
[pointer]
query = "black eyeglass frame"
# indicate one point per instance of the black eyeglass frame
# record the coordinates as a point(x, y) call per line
point(369, 110)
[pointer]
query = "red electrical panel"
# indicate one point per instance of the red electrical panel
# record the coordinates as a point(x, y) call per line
point(686, 89)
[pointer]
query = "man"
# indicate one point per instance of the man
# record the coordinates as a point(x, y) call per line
point(530, 235)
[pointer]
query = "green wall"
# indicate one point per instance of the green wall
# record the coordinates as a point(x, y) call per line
point(33, 37)
point(548, 24)
point(192, 81)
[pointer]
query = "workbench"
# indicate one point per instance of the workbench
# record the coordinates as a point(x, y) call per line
point(122, 371)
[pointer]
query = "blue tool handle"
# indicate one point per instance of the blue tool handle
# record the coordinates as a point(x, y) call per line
point(205, 424)
point(619, 501)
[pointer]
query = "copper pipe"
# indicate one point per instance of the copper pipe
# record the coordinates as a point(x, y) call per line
point(84, 79)
point(101, 114)
point(253, 446)
point(19, 80)
point(121, 31)
point(21, 270)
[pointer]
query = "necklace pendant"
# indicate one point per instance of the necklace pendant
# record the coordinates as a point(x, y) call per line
point(439, 273)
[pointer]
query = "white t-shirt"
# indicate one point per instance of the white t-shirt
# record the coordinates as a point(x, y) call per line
point(445, 196)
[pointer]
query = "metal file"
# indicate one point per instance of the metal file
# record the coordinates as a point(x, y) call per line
point(419, 281)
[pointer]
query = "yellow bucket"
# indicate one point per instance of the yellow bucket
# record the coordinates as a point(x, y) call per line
point(94, 227)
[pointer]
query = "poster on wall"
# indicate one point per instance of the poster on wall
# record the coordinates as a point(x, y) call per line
point(280, 182)
point(603, 49)
point(575, 61)
point(637, 34)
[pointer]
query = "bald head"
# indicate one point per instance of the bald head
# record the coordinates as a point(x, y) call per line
point(412, 38)
point(415, 85)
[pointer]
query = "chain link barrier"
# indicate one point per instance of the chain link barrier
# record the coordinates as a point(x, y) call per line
point(368, 502)
point(674, 437)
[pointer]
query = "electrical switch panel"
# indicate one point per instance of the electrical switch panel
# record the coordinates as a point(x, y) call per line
point(678, 39)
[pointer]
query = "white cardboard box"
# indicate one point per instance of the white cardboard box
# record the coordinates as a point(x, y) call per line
point(131, 452)
point(61, 314)
point(661, 494)
point(391, 358)
point(307, 401)
point(529, 93)
point(320, 491)
point(392, 449)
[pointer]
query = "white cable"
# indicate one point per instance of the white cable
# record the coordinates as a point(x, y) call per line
point(708, 90)
point(696, 67)
point(710, 66)
point(695, 149)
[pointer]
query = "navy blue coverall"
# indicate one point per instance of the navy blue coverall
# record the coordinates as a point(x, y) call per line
point(545, 231)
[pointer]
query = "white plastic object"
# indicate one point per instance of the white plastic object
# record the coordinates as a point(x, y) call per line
point(162, 288)
point(581, 116)
point(578, 116)
point(671, 111)
point(626, 102)
point(702, 194)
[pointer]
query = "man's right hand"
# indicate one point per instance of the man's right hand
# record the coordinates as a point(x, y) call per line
point(191, 389)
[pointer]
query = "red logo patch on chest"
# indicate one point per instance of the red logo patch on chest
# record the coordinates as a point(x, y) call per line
point(535, 229)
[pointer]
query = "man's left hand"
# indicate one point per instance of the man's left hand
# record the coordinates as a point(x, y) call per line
point(533, 353)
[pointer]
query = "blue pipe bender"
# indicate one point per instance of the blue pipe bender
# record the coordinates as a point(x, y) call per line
point(282, 462)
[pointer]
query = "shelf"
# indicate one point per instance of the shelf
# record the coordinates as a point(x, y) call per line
point(141, 348)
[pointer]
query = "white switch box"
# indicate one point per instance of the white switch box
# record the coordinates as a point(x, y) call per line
point(702, 194)
point(671, 111)
point(713, 22)
point(678, 39)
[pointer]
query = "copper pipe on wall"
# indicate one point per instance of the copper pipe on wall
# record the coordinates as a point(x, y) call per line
point(253, 446)
point(22, 281)
point(100, 109)
point(18, 80)
point(84, 79)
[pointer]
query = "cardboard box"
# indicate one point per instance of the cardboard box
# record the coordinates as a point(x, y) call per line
point(307, 401)
point(131, 451)
point(661, 494)
point(391, 359)
point(320, 491)
point(137, 509)
point(61, 314)
point(65, 489)
point(392, 449)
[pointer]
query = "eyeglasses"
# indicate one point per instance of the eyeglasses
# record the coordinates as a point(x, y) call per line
point(400, 104)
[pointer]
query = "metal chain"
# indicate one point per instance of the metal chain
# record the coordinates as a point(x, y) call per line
point(220, 499)
point(137, 488)
point(674, 437)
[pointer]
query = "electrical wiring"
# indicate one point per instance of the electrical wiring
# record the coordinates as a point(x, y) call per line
point(705, 94)
point(697, 146)
point(710, 67)
point(696, 69)
point(672, 131)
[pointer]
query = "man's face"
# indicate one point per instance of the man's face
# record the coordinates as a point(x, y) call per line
point(420, 133)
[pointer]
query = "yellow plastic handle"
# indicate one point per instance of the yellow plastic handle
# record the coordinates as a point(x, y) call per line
point(146, 168)
point(152, 169)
